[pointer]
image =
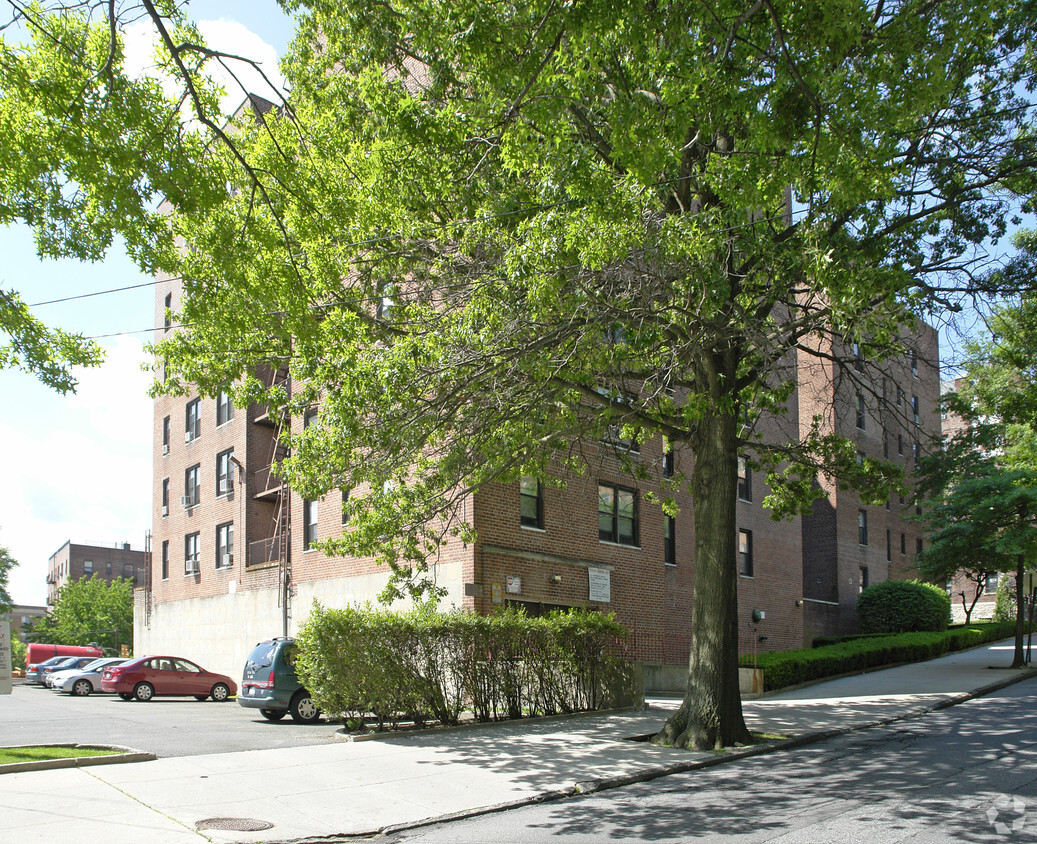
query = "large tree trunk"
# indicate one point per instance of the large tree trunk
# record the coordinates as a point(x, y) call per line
point(710, 716)
point(1020, 614)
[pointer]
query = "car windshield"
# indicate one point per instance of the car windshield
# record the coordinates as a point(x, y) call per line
point(262, 655)
point(97, 663)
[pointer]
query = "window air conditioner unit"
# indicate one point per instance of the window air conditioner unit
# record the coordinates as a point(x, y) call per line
point(187, 502)
point(165, 449)
point(191, 567)
point(227, 560)
point(165, 509)
point(188, 436)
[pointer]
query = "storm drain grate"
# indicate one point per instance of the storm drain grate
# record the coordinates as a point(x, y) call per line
point(234, 824)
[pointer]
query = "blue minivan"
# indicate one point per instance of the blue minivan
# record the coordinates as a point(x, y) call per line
point(270, 685)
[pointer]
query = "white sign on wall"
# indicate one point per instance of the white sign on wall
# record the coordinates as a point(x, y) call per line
point(5, 657)
point(513, 583)
point(599, 585)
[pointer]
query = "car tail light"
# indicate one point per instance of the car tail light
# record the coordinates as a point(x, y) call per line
point(263, 684)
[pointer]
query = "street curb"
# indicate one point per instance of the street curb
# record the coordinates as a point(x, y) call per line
point(120, 755)
point(656, 772)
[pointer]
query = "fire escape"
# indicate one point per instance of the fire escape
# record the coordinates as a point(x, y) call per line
point(274, 522)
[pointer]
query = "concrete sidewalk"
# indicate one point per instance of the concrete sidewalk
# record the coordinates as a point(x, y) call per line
point(352, 788)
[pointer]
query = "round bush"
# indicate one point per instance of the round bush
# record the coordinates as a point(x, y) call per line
point(903, 606)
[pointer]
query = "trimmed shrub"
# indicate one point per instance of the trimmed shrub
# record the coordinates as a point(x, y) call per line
point(789, 668)
point(425, 665)
point(1004, 600)
point(903, 606)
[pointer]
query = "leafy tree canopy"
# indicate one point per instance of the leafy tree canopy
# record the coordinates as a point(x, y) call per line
point(7, 562)
point(89, 610)
point(481, 233)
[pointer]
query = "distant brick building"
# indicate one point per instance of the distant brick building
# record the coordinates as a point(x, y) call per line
point(232, 561)
point(73, 561)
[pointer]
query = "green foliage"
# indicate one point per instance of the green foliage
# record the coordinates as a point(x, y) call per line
point(901, 606)
point(427, 665)
point(18, 650)
point(1005, 608)
point(788, 668)
point(7, 562)
point(89, 610)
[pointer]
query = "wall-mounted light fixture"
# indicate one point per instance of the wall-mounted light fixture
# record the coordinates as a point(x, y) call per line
point(554, 578)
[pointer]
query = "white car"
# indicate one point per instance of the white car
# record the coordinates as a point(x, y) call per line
point(84, 680)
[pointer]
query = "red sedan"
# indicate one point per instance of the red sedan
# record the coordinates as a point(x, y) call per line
point(150, 676)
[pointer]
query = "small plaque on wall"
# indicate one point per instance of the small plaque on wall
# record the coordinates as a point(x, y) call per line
point(497, 592)
point(513, 583)
point(599, 585)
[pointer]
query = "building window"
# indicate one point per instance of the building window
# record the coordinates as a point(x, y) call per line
point(127, 571)
point(889, 546)
point(224, 408)
point(863, 579)
point(165, 559)
point(165, 435)
point(88, 566)
point(225, 545)
point(191, 546)
point(224, 476)
point(531, 502)
point(918, 547)
point(914, 408)
point(903, 543)
point(990, 584)
point(308, 418)
point(345, 506)
point(167, 306)
point(900, 397)
point(193, 420)
point(916, 452)
point(669, 540)
point(914, 361)
point(192, 486)
point(108, 570)
point(165, 497)
point(668, 462)
point(860, 412)
point(745, 553)
point(900, 444)
point(309, 523)
point(858, 357)
point(617, 514)
point(862, 527)
point(745, 480)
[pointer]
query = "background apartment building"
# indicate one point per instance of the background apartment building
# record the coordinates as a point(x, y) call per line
point(234, 558)
point(74, 561)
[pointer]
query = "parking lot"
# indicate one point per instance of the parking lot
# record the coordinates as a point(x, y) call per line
point(164, 726)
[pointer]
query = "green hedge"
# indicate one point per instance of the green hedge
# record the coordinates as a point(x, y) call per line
point(788, 668)
point(424, 665)
point(903, 606)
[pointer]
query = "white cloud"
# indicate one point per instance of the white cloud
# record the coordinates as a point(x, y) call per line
point(237, 78)
point(80, 471)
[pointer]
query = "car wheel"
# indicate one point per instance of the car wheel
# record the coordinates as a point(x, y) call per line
point(144, 691)
point(81, 688)
point(126, 695)
point(220, 692)
point(303, 709)
point(273, 714)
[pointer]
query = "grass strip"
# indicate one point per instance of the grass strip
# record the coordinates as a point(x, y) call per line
point(44, 752)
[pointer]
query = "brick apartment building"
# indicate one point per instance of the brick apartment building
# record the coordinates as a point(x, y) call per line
point(232, 561)
point(74, 561)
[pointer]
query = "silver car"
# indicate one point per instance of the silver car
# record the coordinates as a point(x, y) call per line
point(86, 680)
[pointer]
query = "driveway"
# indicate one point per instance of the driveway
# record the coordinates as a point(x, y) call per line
point(163, 726)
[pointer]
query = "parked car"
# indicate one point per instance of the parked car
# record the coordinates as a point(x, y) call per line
point(34, 671)
point(269, 683)
point(157, 676)
point(73, 663)
point(86, 680)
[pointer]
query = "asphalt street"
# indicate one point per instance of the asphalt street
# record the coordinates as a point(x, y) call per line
point(175, 726)
point(963, 774)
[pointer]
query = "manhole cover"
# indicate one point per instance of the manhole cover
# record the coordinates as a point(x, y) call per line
point(234, 824)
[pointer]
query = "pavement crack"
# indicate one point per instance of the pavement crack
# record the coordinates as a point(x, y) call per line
point(150, 808)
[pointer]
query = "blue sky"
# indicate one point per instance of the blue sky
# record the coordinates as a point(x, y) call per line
point(78, 467)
